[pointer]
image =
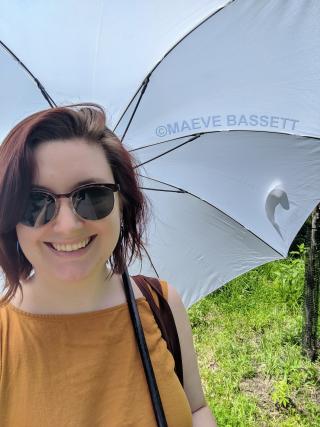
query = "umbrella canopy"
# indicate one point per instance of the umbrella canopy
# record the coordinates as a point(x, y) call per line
point(101, 53)
point(217, 100)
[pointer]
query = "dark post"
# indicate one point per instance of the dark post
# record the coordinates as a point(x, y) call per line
point(311, 288)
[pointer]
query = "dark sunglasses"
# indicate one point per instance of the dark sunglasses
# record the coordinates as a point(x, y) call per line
point(89, 201)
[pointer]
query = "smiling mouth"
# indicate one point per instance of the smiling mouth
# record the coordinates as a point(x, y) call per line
point(50, 245)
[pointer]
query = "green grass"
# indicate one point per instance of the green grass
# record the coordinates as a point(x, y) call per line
point(248, 340)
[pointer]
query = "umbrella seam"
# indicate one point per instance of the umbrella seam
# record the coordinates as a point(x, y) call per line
point(222, 131)
point(165, 55)
point(218, 209)
point(39, 84)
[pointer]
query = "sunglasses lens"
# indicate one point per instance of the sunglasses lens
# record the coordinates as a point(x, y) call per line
point(94, 202)
point(40, 209)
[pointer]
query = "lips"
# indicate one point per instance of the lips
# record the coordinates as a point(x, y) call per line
point(69, 253)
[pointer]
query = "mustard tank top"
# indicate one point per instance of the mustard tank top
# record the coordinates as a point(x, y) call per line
point(84, 370)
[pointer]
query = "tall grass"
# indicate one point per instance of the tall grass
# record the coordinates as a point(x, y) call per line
point(248, 339)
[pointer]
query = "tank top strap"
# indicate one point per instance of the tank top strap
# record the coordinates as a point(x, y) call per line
point(164, 288)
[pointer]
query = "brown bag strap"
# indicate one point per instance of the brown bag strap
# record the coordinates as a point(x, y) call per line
point(164, 318)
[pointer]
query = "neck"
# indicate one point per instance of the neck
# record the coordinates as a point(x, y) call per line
point(46, 296)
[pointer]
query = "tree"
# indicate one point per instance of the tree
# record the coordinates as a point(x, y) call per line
point(311, 287)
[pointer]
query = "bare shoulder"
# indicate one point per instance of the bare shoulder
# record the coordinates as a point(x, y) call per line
point(179, 311)
point(191, 376)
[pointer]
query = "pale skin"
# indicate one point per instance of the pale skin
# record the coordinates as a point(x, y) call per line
point(64, 286)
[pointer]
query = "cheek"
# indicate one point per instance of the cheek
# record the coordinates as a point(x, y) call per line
point(27, 241)
point(24, 235)
point(115, 217)
point(112, 228)
point(109, 237)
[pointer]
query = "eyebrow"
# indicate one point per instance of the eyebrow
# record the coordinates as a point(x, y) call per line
point(77, 184)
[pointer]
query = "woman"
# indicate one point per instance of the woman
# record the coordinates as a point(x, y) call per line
point(68, 352)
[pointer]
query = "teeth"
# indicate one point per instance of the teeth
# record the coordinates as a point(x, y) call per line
point(69, 248)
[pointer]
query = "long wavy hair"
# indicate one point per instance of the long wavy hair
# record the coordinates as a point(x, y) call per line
point(17, 170)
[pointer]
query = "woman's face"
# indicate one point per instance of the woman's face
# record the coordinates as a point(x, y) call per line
point(61, 166)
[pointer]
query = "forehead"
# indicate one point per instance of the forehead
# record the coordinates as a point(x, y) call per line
point(61, 164)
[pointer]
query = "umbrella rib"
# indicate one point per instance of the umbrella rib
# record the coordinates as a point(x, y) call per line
point(177, 189)
point(220, 131)
point(150, 260)
point(161, 189)
point(210, 204)
point(131, 101)
point(191, 31)
point(40, 86)
point(145, 84)
point(168, 151)
point(193, 137)
point(146, 80)
point(163, 142)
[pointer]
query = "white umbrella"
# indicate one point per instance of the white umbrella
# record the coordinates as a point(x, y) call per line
point(226, 124)
point(87, 51)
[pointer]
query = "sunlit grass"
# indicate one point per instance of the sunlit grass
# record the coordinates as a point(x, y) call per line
point(248, 339)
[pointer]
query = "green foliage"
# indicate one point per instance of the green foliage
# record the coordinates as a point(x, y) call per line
point(280, 396)
point(288, 278)
point(248, 339)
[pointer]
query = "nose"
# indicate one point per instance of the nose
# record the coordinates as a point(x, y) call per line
point(66, 221)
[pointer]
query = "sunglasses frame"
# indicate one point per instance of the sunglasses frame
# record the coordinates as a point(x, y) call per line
point(113, 187)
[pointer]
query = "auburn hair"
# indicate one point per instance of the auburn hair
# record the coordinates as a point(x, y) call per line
point(17, 172)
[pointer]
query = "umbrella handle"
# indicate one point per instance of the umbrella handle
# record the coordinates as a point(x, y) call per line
point(144, 353)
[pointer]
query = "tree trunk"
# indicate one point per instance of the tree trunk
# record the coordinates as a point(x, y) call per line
point(311, 288)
